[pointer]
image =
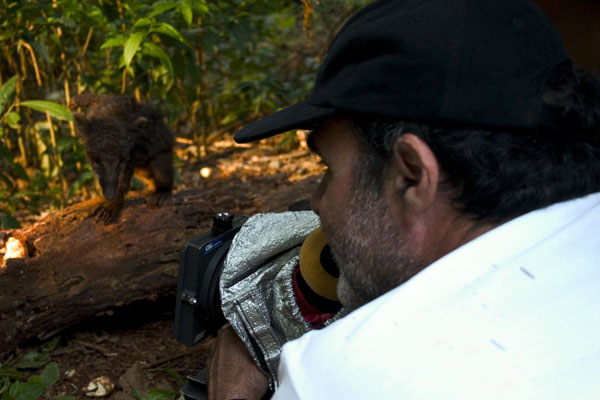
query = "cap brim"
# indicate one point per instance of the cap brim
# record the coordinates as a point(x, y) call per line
point(299, 116)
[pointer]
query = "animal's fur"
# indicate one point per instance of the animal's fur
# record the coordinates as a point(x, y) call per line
point(120, 136)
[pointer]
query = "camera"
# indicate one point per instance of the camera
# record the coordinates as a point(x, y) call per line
point(198, 304)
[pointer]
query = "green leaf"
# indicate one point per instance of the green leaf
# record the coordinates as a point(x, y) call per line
point(6, 153)
point(185, 8)
point(42, 49)
point(9, 222)
point(50, 374)
point(136, 394)
point(160, 394)
point(142, 22)
point(132, 46)
point(30, 390)
point(6, 181)
point(5, 370)
point(161, 7)
point(85, 176)
point(6, 91)
point(20, 171)
point(200, 6)
point(56, 110)
point(4, 386)
point(12, 119)
point(10, 158)
point(169, 30)
point(50, 345)
point(114, 42)
point(239, 33)
point(180, 379)
point(154, 51)
point(33, 359)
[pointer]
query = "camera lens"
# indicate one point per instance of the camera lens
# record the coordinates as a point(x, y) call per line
point(222, 222)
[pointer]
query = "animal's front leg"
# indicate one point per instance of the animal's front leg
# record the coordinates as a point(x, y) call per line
point(161, 173)
point(109, 210)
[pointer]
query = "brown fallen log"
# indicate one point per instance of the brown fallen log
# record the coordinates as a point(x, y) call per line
point(75, 269)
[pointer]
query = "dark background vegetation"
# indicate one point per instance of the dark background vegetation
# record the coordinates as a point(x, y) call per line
point(210, 66)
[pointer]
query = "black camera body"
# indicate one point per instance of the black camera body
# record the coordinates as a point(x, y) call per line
point(198, 304)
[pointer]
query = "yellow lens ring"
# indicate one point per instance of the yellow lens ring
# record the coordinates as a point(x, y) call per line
point(312, 269)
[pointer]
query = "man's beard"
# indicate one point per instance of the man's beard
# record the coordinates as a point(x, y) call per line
point(368, 247)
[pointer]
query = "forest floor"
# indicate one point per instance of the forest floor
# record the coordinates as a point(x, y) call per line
point(135, 346)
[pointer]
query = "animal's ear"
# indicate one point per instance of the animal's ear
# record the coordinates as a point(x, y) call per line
point(140, 122)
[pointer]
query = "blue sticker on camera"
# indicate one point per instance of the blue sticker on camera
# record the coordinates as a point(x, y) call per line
point(215, 244)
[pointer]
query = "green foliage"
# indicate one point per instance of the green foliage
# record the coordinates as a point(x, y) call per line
point(8, 222)
point(6, 92)
point(155, 394)
point(33, 360)
point(30, 390)
point(54, 109)
point(208, 64)
point(176, 375)
point(14, 387)
point(160, 394)
point(17, 384)
point(18, 188)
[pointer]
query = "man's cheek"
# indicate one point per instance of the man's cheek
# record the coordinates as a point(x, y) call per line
point(335, 234)
point(328, 224)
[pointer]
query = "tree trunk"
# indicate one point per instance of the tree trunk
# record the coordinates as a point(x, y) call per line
point(76, 269)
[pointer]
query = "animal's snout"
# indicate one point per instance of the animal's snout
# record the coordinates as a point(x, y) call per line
point(109, 192)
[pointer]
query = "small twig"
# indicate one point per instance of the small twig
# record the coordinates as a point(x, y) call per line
point(124, 80)
point(87, 42)
point(66, 350)
point(33, 60)
point(174, 369)
point(166, 360)
point(105, 352)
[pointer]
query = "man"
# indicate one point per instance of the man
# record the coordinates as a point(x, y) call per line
point(461, 204)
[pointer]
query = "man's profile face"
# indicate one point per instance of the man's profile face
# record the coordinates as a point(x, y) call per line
point(365, 241)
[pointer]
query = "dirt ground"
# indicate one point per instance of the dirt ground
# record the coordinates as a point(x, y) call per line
point(135, 346)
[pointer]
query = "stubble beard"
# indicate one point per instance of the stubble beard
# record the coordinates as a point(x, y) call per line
point(368, 248)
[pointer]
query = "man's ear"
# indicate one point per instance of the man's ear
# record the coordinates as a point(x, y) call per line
point(415, 174)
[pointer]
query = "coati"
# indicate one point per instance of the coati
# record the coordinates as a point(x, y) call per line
point(120, 136)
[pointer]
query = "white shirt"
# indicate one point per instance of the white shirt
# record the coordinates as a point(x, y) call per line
point(513, 314)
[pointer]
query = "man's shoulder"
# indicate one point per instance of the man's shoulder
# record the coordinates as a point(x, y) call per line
point(502, 313)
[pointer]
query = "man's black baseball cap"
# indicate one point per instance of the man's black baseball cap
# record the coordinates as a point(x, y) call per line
point(468, 62)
